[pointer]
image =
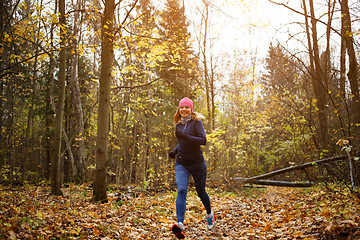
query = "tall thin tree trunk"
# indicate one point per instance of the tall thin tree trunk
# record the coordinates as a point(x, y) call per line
point(49, 111)
point(318, 82)
point(2, 141)
point(320, 90)
point(30, 120)
point(102, 140)
point(212, 92)
point(47, 158)
point(206, 75)
point(147, 145)
point(11, 131)
point(48, 119)
point(342, 61)
point(342, 82)
point(331, 6)
point(353, 65)
point(55, 183)
point(75, 87)
point(4, 25)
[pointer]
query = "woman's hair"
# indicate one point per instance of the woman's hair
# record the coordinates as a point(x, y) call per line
point(194, 116)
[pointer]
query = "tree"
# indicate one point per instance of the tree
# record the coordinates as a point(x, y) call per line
point(207, 62)
point(4, 27)
point(281, 74)
point(319, 83)
point(204, 50)
point(284, 89)
point(75, 90)
point(107, 58)
point(102, 140)
point(55, 181)
point(178, 67)
point(49, 105)
point(32, 106)
point(347, 37)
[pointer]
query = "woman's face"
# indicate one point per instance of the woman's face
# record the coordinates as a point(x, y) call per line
point(184, 111)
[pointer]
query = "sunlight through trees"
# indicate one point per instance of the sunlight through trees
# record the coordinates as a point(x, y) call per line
point(89, 88)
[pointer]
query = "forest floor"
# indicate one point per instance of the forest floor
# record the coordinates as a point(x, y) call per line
point(31, 212)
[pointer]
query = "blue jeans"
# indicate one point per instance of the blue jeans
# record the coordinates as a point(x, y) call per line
point(198, 172)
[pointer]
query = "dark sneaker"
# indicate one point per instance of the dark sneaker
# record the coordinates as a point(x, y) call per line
point(178, 230)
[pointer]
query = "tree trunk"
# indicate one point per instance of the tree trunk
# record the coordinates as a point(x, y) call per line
point(11, 131)
point(342, 79)
point(212, 92)
point(342, 61)
point(4, 27)
point(48, 119)
point(55, 183)
point(206, 75)
point(290, 169)
point(327, 61)
point(79, 155)
point(30, 120)
point(71, 155)
point(107, 57)
point(2, 141)
point(49, 111)
point(318, 82)
point(353, 66)
point(283, 183)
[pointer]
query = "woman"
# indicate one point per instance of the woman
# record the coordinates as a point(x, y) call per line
point(190, 134)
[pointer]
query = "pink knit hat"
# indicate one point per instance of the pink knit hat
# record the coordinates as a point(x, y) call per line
point(188, 102)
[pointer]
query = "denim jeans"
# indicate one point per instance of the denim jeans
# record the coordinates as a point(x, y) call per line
point(198, 172)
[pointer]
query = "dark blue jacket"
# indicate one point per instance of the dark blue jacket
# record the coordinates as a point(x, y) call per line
point(188, 150)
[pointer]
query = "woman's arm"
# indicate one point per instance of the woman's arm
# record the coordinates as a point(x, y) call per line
point(200, 137)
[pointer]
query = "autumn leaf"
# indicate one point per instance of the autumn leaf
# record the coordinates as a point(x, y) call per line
point(164, 219)
point(31, 212)
point(268, 227)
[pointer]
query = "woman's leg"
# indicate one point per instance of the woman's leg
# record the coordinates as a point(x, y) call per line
point(182, 180)
point(199, 173)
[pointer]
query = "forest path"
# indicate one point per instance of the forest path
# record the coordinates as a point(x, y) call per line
point(274, 213)
point(283, 213)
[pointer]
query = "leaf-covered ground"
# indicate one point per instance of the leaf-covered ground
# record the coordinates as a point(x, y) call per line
point(277, 213)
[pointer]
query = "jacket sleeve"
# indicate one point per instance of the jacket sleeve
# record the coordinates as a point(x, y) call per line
point(200, 137)
point(176, 148)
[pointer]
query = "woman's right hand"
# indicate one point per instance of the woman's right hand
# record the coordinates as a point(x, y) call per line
point(180, 134)
point(172, 154)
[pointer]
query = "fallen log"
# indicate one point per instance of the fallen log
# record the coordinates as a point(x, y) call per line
point(288, 169)
point(282, 183)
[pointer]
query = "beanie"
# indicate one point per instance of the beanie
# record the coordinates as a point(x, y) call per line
point(188, 102)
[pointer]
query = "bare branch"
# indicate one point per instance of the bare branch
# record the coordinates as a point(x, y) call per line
point(137, 86)
point(298, 12)
point(128, 13)
point(25, 60)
